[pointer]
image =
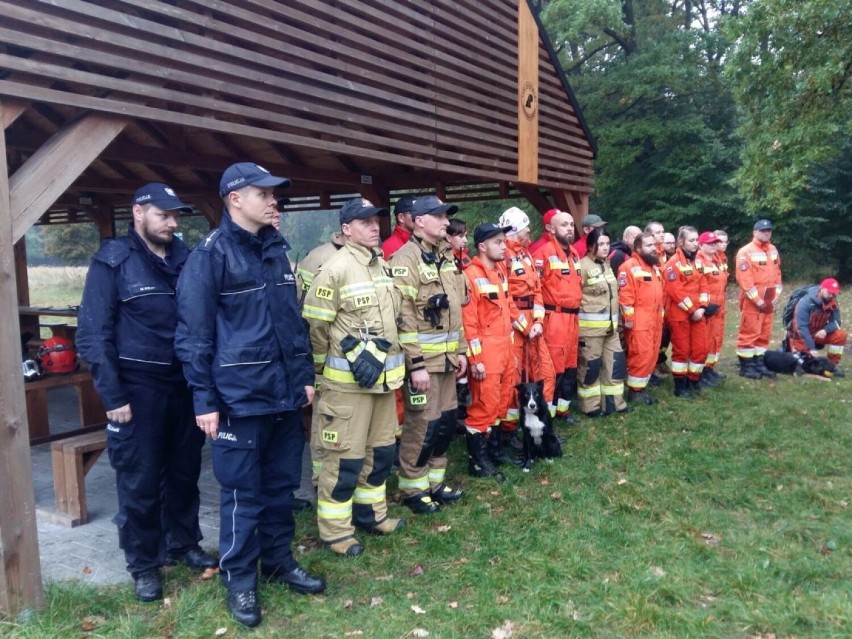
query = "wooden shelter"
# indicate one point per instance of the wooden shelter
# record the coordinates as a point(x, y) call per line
point(462, 98)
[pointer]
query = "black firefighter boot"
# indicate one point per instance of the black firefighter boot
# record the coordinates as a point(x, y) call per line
point(760, 366)
point(747, 368)
point(478, 464)
point(707, 379)
point(681, 387)
point(494, 448)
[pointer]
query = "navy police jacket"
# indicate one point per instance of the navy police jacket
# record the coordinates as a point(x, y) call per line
point(240, 336)
point(126, 324)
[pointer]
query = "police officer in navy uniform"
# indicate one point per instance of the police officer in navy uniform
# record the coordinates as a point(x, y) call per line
point(247, 358)
point(125, 331)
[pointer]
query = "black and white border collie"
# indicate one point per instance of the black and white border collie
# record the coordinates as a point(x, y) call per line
point(540, 442)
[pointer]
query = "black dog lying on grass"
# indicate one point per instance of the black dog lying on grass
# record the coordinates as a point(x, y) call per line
point(800, 363)
point(540, 441)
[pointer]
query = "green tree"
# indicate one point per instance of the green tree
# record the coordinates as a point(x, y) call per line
point(648, 78)
point(790, 74)
point(69, 244)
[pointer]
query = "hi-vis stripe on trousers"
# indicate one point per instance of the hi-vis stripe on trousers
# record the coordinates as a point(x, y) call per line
point(600, 374)
point(356, 434)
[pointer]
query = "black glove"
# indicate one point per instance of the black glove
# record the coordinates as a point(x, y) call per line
point(432, 312)
point(711, 310)
point(366, 359)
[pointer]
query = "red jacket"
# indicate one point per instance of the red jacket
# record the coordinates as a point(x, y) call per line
point(395, 241)
point(561, 281)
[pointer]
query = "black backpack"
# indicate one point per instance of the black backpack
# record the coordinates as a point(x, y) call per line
point(790, 307)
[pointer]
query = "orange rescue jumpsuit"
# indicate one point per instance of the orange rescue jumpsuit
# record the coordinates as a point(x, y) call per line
point(641, 297)
point(488, 329)
point(532, 358)
point(759, 277)
point(686, 292)
point(715, 282)
point(562, 292)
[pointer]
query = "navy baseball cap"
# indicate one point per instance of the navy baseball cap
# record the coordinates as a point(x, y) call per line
point(763, 225)
point(488, 230)
point(160, 195)
point(243, 174)
point(432, 205)
point(359, 208)
point(404, 204)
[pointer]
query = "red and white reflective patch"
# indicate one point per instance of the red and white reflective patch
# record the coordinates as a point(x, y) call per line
point(622, 280)
point(670, 274)
point(743, 265)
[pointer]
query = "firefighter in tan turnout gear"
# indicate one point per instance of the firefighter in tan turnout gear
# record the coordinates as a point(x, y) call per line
point(432, 337)
point(352, 308)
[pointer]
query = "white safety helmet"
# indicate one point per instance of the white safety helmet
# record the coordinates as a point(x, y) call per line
point(515, 218)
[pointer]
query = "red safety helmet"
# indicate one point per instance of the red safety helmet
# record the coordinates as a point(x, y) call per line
point(57, 355)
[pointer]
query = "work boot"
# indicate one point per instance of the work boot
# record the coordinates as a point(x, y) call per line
point(349, 547)
point(296, 579)
point(760, 366)
point(707, 379)
point(148, 585)
point(421, 503)
point(244, 606)
point(747, 368)
point(479, 465)
point(512, 439)
point(640, 396)
point(717, 375)
point(655, 380)
point(662, 369)
point(196, 558)
point(681, 388)
point(444, 494)
point(495, 450)
point(386, 527)
point(694, 387)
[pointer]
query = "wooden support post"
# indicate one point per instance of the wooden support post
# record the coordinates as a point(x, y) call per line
point(535, 197)
point(12, 110)
point(528, 51)
point(577, 204)
point(49, 172)
point(20, 568)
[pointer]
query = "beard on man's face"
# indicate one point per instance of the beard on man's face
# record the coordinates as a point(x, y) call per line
point(651, 258)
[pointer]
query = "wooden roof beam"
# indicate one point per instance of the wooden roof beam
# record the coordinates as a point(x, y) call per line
point(48, 173)
point(12, 110)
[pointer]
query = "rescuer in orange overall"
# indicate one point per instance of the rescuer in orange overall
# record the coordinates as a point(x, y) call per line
point(759, 278)
point(715, 281)
point(640, 295)
point(488, 329)
point(558, 266)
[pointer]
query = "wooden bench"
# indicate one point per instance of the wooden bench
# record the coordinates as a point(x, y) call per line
point(92, 412)
point(72, 459)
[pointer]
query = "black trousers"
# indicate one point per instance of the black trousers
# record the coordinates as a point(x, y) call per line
point(157, 460)
point(258, 462)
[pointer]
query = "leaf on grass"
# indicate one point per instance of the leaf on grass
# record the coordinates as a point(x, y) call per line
point(348, 604)
point(409, 595)
point(419, 632)
point(504, 631)
point(376, 601)
point(464, 560)
point(91, 622)
point(544, 481)
point(167, 602)
point(384, 578)
point(416, 571)
point(494, 561)
point(353, 633)
point(443, 528)
point(621, 481)
point(657, 571)
point(502, 599)
point(87, 570)
point(556, 496)
point(418, 610)
point(712, 539)
point(494, 493)
point(220, 632)
point(760, 635)
point(453, 604)
point(209, 573)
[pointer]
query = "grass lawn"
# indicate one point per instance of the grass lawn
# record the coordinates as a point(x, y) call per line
point(725, 516)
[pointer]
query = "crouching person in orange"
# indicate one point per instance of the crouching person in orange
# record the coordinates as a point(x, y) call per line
point(488, 329)
point(602, 368)
point(641, 297)
point(687, 299)
point(352, 307)
point(816, 322)
point(715, 282)
point(531, 355)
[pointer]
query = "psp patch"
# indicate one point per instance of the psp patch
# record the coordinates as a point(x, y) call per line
point(400, 271)
point(324, 293)
point(329, 436)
